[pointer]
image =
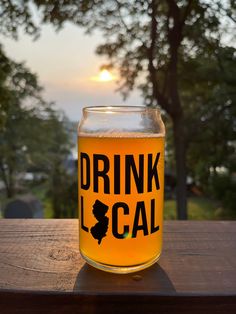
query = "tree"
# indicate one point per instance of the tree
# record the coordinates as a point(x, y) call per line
point(32, 134)
point(152, 43)
point(17, 84)
point(211, 151)
point(55, 151)
point(147, 41)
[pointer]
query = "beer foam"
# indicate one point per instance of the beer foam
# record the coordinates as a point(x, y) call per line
point(115, 134)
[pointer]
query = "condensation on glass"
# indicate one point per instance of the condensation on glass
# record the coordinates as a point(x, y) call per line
point(121, 184)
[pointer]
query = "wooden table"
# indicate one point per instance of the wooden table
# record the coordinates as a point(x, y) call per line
point(41, 271)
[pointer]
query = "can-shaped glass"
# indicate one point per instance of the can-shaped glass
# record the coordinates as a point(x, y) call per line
point(121, 185)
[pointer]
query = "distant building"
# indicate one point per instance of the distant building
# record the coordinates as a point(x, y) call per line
point(24, 206)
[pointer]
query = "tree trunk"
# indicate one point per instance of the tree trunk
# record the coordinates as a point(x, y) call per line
point(11, 184)
point(169, 98)
point(8, 181)
point(181, 173)
point(9, 192)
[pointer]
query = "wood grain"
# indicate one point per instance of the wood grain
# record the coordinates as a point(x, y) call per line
point(41, 271)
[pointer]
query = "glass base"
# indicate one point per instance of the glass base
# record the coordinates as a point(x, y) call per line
point(120, 269)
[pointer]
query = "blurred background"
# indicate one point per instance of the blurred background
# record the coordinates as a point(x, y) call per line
point(59, 56)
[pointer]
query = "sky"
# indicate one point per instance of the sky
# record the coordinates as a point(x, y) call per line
point(65, 62)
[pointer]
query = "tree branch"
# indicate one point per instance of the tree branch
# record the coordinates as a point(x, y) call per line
point(121, 17)
point(175, 36)
point(151, 55)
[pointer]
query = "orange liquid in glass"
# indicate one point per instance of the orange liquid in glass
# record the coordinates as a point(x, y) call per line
point(136, 246)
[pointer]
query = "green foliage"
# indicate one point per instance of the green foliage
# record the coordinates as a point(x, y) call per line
point(174, 51)
point(59, 201)
point(15, 15)
point(33, 136)
point(211, 128)
point(17, 85)
point(223, 188)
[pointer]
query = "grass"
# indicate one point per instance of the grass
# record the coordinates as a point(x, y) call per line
point(199, 208)
point(40, 191)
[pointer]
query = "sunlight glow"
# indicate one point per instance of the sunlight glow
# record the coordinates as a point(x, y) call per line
point(104, 76)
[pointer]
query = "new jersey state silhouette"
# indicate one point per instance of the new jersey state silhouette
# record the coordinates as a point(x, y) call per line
point(99, 230)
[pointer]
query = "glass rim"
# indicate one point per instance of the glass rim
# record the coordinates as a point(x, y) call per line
point(119, 109)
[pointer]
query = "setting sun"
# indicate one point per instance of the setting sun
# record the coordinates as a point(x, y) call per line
point(104, 76)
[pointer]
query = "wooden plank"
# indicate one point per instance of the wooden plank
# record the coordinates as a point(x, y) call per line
point(41, 268)
point(116, 304)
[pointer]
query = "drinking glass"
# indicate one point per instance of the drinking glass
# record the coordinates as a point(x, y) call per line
point(121, 183)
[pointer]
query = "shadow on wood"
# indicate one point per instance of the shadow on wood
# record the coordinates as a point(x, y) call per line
point(153, 279)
